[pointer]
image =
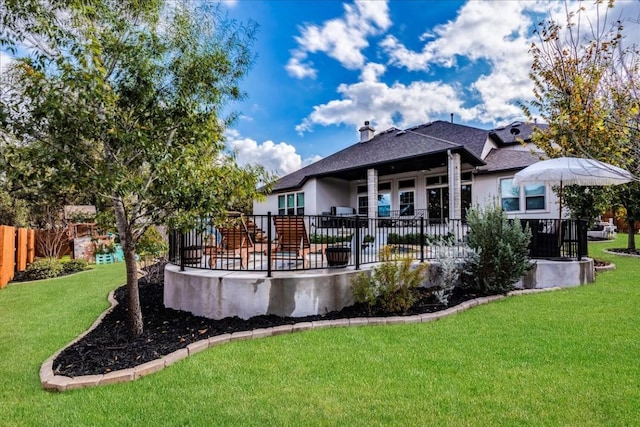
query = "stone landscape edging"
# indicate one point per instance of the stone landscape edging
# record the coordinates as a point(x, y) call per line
point(61, 383)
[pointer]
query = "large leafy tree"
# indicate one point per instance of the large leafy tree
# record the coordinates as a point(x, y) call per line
point(126, 99)
point(586, 89)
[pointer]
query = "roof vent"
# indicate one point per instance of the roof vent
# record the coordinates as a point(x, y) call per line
point(514, 131)
point(401, 132)
point(366, 132)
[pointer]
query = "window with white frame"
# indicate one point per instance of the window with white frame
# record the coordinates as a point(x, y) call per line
point(291, 204)
point(384, 199)
point(407, 196)
point(437, 197)
point(509, 195)
point(533, 195)
point(363, 200)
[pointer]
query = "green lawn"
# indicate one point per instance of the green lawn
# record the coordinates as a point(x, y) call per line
point(559, 358)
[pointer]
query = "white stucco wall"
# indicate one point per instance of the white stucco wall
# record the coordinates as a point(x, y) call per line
point(486, 190)
point(331, 192)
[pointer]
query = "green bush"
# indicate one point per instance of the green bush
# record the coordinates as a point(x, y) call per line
point(414, 239)
point(449, 276)
point(45, 268)
point(392, 285)
point(74, 266)
point(329, 239)
point(151, 244)
point(500, 254)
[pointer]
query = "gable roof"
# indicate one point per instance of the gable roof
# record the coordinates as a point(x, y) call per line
point(508, 160)
point(514, 133)
point(393, 151)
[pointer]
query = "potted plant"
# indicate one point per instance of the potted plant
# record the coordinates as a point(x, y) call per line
point(338, 253)
point(367, 241)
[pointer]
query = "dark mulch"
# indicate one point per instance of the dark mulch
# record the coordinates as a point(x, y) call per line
point(635, 252)
point(108, 347)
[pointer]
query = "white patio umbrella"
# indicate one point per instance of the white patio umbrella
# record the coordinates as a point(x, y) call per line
point(572, 171)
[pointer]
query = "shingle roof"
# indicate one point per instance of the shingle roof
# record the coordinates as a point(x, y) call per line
point(395, 145)
point(508, 160)
point(513, 133)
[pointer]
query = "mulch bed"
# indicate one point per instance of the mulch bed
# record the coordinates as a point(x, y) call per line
point(626, 251)
point(108, 347)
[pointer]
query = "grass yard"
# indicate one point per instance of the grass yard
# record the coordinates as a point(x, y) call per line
point(560, 358)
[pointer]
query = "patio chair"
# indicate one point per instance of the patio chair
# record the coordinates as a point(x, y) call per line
point(236, 244)
point(293, 240)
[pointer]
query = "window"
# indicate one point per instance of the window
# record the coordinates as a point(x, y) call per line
point(465, 198)
point(363, 205)
point(291, 204)
point(438, 202)
point(384, 204)
point(509, 195)
point(534, 196)
point(407, 198)
point(384, 186)
point(437, 197)
point(362, 189)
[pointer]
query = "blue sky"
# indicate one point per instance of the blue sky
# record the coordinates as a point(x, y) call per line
point(323, 67)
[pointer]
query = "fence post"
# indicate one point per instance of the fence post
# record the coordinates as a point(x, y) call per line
point(357, 242)
point(181, 250)
point(421, 239)
point(269, 244)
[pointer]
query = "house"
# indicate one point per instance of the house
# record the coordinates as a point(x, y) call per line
point(435, 170)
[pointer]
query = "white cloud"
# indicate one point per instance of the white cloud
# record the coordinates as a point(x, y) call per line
point(298, 69)
point(280, 158)
point(342, 38)
point(397, 105)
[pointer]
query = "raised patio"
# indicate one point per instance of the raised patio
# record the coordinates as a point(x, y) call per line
point(250, 276)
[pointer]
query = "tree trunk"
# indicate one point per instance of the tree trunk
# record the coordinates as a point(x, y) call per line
point(134, 312)
point(631, 239)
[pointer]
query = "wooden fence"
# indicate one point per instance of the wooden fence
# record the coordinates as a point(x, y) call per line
point(17, 250)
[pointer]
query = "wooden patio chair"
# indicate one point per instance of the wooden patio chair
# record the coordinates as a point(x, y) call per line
point(236, 244)
point(293, 240)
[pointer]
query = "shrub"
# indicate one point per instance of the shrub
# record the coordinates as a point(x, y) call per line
point(74, 266)
point(414, 239)
point(500, 251)
point(329, 239)
point(449, 272)
point(45, 268)
point(392, 285)
point(151, 244)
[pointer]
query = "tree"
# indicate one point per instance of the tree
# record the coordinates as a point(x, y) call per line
point(127, 99)
point(586, 89)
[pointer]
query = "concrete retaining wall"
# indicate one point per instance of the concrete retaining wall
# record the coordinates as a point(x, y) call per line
point(562, 274)
point(220, 294)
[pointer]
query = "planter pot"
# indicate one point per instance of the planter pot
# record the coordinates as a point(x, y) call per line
point(337, 256)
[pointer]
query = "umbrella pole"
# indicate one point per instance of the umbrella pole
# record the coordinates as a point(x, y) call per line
point(560, 221)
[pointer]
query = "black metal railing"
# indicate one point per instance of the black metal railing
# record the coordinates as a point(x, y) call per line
point(269, 243)
point(282, 243)
point(557, 239)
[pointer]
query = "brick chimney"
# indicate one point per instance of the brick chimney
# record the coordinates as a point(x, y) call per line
point(366, 132)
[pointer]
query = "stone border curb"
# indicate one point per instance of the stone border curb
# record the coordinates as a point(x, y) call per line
point(60, 383)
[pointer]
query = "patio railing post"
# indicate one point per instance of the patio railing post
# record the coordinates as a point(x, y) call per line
point(269, 244)
point(181, 250)
point(357, 242)
point(422, 239)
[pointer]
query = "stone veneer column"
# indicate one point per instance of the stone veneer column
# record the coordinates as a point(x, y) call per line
point(372, 192)
point(453, 167)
